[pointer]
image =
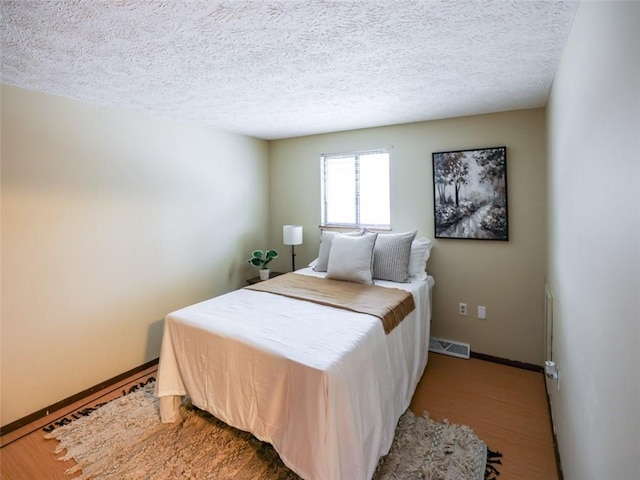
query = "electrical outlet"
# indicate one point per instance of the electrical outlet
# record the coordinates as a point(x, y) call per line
point(462, 309)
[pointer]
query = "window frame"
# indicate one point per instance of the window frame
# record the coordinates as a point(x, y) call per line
point(323, 180)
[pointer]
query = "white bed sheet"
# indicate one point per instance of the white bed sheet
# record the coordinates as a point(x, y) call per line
point(324, 386)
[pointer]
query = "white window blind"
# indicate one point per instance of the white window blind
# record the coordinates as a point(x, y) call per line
point(355, 189)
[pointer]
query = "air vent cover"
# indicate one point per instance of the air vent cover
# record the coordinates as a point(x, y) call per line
point(449, 347)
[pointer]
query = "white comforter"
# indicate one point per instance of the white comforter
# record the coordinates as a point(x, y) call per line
point(324, 386)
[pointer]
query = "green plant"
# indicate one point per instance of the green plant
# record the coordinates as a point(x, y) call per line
point(261, 259)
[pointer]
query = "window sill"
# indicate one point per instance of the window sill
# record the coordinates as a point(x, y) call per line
point(375, 228)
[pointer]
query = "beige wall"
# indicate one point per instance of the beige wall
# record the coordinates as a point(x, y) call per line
point(111, 219)
point(594, 243)
point(506, 277)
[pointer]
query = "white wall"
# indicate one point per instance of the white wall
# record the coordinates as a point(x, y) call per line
point(594, 243)
point(110, 220)
point(506, 277)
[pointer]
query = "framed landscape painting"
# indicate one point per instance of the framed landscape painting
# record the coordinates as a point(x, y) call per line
point(470, 194)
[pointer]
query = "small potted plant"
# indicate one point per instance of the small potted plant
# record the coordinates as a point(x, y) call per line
point(261, 260)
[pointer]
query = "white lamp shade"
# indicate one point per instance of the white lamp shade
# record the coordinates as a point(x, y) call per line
point(292, 234)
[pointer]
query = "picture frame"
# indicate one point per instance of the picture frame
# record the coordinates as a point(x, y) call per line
point(470, 194)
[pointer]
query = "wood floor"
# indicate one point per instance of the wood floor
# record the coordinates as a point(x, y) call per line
point(505, 406)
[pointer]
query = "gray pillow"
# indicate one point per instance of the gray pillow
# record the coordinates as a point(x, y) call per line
point(391, 255)
point(326, 238)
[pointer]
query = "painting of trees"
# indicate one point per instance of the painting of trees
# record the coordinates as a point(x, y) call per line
point(470, 194)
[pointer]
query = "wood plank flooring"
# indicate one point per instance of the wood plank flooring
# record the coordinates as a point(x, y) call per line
point(27, 455)
point(505, 406)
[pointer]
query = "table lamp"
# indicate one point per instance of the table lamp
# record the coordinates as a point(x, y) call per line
point(292, 235)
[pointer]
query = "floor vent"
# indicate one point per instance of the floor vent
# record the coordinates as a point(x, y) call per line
point(449, 347)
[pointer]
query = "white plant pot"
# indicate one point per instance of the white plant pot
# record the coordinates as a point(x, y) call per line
point(264, 274)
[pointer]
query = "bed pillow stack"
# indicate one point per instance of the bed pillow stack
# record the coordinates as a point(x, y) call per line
point(397, 257)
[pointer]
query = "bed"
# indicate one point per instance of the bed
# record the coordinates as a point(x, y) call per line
point(324, 385)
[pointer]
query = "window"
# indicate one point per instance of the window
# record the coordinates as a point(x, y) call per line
point(355, 189)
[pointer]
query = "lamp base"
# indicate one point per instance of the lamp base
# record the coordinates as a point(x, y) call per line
point(293, 259)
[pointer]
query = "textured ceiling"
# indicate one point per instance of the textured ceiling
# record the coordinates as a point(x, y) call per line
point(276, 69)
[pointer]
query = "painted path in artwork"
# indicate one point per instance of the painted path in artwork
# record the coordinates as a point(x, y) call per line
point(469, 227)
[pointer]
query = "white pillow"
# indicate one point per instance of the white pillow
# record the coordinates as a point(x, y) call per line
point(351, 258)
point(420, 251)
point(326, 239)
point(391, 255)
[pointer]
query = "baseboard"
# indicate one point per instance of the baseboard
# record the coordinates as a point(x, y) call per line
point(10, 427)
point(505, 361)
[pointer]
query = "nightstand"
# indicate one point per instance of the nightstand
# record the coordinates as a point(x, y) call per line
point(254, 280)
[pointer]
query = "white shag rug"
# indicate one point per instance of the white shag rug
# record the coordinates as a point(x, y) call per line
point(125, 439)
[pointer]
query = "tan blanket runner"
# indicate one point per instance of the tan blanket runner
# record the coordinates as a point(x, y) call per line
point(391, 305)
